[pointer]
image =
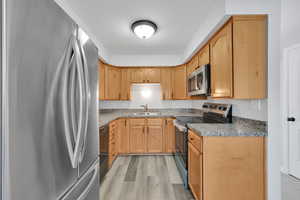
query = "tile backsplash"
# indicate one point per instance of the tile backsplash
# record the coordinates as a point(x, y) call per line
point(150, 94)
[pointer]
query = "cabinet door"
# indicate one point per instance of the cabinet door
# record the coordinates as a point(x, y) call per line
point(137, 75)
point(166, 83)
point(125, 84)
point(221, 63)
point(169, 134)
point(123, 142)
point(138, 139)
point(101, 81)
point(154, 139)
point(250, 57)
point(203, 56)
point(152, 75)
point(192, 65)
point(179, 82)
point(233, 168)
point(195, 171)
point(112, 83)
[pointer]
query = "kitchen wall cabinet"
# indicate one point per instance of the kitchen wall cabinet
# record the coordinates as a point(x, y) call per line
point(123, 142)
point(101, 80)
point(152, 75)
point(192, 64)
point(145, 75)
point(221, 63)
point(233, 168)
point(203, 56)
point(169, 135)
point(137, 75)
point(166, 83)
point(125, 84)
point(179, 83)
point(112, 83)
point(250, 56)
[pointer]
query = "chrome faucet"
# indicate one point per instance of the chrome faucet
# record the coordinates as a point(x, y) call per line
point(146, 109)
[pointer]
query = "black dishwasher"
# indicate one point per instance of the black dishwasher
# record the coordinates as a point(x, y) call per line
point(104, 139)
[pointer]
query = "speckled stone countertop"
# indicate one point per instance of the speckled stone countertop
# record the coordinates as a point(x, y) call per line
point(109, 115)
point(239, 127)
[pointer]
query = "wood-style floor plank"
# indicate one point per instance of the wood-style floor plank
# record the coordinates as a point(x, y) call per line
point(143, 178)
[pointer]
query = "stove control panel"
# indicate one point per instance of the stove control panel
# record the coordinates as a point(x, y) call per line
point(223, 109)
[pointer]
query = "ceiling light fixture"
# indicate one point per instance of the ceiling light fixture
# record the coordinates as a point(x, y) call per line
point(144, 29)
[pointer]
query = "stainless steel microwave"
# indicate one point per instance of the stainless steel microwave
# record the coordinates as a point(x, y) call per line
point(199, 81)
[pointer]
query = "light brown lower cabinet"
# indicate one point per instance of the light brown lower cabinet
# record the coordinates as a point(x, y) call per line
point(112, 142)
point(169, 135)
point(230, 168)
point(195, 165)
point(123, 139)
point(137, 138)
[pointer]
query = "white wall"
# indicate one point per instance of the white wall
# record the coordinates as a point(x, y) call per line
point(290, 32)
point(142, 94)
point(250, 109)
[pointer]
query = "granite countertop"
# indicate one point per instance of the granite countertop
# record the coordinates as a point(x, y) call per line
point(239, 127)
point(109, 115)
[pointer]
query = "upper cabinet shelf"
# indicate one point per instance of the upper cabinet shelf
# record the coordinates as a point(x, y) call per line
point(237, 54)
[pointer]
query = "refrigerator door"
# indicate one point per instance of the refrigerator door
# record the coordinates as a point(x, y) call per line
point(91, 150)
point(37, 31)
point(87, 186)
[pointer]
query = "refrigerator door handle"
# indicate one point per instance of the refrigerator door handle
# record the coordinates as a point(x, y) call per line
point(74, 153)
point(87, 97)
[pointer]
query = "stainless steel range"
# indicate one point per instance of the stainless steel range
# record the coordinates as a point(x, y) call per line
point(212, 113)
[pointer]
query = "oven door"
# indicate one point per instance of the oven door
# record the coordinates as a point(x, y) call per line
point(181, 144)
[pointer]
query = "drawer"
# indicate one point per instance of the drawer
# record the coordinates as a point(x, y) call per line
point(195, 140)
point(137, 122)
point(154, 121)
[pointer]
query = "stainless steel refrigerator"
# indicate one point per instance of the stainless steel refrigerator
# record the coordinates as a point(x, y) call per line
point(52, 105)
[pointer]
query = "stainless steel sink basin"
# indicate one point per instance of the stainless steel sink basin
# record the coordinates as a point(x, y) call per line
point(146, 114)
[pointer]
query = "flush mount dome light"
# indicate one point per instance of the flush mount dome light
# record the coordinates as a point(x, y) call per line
point(144, 29)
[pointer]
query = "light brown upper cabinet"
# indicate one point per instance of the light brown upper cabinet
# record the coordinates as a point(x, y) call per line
point(192, 65)
point(101, 80)
point(137, 75)
point(179, 82)
point(203, 56)
point(221, 63)
point(166, 83)
point(152, 75)
point(112, 83)
point(145, 75)
point(250, 56)
point(125, 84)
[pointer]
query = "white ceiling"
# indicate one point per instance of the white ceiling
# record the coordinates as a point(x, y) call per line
point(108, 23)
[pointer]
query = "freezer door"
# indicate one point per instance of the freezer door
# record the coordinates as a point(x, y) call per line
point(91, 151)
point(87, 186)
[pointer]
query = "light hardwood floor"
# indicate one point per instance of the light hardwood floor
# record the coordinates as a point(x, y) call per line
point(143, 178)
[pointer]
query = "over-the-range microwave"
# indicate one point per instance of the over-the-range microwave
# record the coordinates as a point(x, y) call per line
point(199, 81)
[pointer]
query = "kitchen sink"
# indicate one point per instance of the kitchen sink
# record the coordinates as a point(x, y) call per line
point(147, 114)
